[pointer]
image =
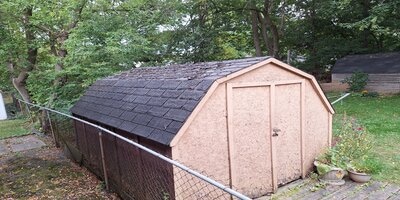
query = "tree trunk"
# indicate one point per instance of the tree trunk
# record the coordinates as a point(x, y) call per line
point(256, 35)
point(273, 27)
point(267, 40)
point(20, 82)
point(20, 85)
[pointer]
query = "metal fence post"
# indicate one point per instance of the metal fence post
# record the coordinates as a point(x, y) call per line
point(51, 128)
point(103, 160)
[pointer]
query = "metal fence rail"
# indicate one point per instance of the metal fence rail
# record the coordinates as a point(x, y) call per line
point(126, 166)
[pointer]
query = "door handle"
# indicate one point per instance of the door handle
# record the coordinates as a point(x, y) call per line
point(275, 132)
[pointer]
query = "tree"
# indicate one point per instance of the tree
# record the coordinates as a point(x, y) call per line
point(19, 50)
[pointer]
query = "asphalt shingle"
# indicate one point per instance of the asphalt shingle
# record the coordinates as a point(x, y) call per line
point(153, 102)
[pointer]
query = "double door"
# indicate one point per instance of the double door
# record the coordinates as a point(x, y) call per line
point(264, 131)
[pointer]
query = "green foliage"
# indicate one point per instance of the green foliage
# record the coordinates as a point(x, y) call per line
point(366, 164)
point(357, 81)
point(380, 116)
point(353, 140)
point(352, 144)
point(111, 36)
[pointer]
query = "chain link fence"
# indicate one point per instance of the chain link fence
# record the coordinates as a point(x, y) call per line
point(127, 167)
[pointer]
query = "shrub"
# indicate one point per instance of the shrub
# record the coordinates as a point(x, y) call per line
point(357, 81)
point(354, 141)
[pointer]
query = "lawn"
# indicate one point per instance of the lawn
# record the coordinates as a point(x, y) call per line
point(12, 128)
point(381, 117)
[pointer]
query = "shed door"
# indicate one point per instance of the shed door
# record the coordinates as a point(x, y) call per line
point(250, 141)
point(287, 125)
point(260, 161)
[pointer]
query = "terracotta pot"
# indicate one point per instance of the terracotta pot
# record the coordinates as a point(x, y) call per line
point(359, 177)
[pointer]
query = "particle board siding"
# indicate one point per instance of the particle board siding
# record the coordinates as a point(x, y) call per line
point(203, 146)
point(287, 116)
point(316, 126)
point(251, 159)
point(276, 71)
point(267, 73)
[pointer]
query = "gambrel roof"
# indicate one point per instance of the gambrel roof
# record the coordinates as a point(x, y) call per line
point(154, 102)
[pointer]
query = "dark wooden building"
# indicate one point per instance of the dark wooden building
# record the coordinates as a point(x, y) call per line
point(383, 70)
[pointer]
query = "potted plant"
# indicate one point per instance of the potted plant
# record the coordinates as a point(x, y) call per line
point(350, 152)
point(330, 167)
point(360, 170)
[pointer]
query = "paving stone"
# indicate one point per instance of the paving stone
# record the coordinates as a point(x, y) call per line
point(3, 147)
point(25, 143)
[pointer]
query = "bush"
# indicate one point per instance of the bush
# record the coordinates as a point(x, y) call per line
point(357, 81)
point(353, 143)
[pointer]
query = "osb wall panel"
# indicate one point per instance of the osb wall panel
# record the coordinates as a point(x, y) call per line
point(204, 145)
point(267, 73)
point(250, 141)
point(287, 118)
point(316, 128)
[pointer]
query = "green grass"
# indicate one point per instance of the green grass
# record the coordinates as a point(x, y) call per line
point(12, 128)
point(381, 117)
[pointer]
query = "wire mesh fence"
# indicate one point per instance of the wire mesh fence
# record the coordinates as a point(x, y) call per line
point(128, 167)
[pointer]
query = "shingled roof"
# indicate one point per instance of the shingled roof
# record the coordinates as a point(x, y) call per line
point(154, 102)
point(381, 63)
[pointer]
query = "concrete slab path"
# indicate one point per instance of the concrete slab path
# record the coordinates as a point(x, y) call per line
point(16, 144)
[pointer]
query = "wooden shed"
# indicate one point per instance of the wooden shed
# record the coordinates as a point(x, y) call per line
point(254, 124)
point(383, 70)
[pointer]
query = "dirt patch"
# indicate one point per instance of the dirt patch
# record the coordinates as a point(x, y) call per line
point(46, 173)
